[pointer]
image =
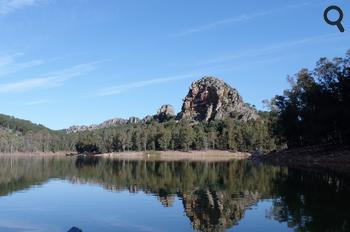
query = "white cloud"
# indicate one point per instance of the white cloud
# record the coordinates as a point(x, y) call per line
point(50, 80)
point(37, 102)
point(240, 18)
point(113, 90)
point(211, 25)
point(219, 64)
point(9, 64)
point(9, 6)
point(272, 49)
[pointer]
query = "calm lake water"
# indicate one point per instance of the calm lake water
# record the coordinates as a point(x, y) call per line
point(56, 193)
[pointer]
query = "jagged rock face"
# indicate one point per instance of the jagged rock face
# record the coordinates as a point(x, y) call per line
point(164, 113)
point(105, 124)
point(147, 119)
point(212, 99)
point(133, 120)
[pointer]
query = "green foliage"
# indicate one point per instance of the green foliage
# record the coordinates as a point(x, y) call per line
point(316, 109)
point(86, 144)
point(229, 134)
point(19, 125)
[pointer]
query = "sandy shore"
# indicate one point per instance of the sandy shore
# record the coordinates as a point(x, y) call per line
point(60, 153)
point(210, 155)
point(179, 155)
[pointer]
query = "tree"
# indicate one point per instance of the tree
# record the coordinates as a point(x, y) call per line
point(316, 109)
point(186, 136)
point(164, 138)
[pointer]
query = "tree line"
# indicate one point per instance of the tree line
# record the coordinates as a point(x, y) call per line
point(316, 108)
point(229, 134)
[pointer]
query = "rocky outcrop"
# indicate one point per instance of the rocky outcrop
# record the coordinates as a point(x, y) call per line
point(208, 99)
point(165, 113)
point(147, 119)
point(212, 99)
point(105, 124)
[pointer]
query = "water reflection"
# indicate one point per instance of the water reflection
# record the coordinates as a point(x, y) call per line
point(214, 196)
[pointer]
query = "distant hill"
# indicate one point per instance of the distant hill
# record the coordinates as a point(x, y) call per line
point(18, 135)
point(20, 125)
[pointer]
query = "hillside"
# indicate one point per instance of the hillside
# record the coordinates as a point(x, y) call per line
point(19, 125)
point(18, 135)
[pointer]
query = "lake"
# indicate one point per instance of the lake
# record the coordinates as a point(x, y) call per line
point(97, 194)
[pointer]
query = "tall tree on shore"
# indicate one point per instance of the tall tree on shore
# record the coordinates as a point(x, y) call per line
point(316, 109)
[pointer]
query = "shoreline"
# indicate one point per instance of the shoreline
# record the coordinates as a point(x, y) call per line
point(35, 154)
point(319, 157)
point(209, 155)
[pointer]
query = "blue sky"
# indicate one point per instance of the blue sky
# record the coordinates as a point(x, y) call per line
point(68, 62)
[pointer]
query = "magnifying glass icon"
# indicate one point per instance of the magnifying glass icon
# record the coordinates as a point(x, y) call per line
point(336, 22)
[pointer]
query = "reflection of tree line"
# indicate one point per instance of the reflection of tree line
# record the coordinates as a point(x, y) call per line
point(214, 195)
point(21, 173)
point(312, 201)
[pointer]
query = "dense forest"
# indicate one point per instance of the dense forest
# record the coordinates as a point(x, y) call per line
point(315, 110)
point(230, 134)
point(17, 135)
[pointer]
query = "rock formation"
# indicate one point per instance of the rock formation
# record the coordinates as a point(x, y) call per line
point(212, 99)
point(208, 99)
point(105, 124)
point(164, 113)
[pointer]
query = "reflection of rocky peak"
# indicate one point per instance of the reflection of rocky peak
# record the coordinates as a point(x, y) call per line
point(164, 113)
point(212, 99)
point(216, 211)
point(167, 201)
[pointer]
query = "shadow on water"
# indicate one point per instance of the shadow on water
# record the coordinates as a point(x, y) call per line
point(214, 195)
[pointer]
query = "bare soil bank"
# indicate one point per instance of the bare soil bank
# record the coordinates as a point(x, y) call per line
point(19, 154)
point(211, 155)
point(321, 157)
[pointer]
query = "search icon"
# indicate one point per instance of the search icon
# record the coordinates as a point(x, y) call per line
point(336, 22)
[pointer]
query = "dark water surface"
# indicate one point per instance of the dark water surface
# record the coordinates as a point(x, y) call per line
point(56, 193)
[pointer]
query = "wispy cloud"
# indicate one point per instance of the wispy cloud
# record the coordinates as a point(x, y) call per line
point(211, 25)
point(9, 6)
point(239, 18)
point(113, 90)
point(50, 80)
point(9, 64)
point(37, 102)
point(274, 48)
point(220, 64)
